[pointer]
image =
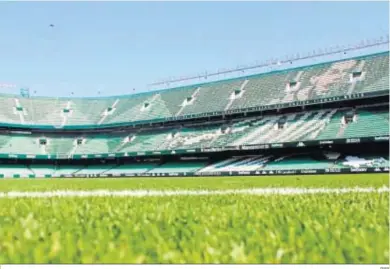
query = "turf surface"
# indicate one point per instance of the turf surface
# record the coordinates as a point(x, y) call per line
point(210, 183)
point(315, 228)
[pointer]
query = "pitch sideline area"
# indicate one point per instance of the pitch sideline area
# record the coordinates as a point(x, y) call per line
point(195, 183)
point(145, 193)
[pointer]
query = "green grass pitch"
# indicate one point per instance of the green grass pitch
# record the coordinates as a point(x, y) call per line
point(234, 228)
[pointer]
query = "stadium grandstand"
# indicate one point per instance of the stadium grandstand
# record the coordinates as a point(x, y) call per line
point(247, 125)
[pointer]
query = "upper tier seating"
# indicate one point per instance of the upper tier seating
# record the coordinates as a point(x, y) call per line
point(360, 75)
point(7, 111)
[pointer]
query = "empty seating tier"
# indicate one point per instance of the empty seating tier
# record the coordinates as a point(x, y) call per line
point(367, 74)
point(304, 126)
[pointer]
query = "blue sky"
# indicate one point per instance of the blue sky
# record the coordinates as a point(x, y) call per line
point(115, 47)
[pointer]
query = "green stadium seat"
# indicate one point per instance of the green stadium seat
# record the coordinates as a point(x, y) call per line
point(306, 83)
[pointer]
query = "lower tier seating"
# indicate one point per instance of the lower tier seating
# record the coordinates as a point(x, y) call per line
point(254, 163)
point(351, 161)
point(15, 170)
point(184, 167)
point(294, 162)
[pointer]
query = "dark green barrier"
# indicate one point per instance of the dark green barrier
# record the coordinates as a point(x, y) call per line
point(251, 173)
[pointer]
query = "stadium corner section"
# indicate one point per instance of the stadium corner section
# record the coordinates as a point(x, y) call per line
point(327, 118)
